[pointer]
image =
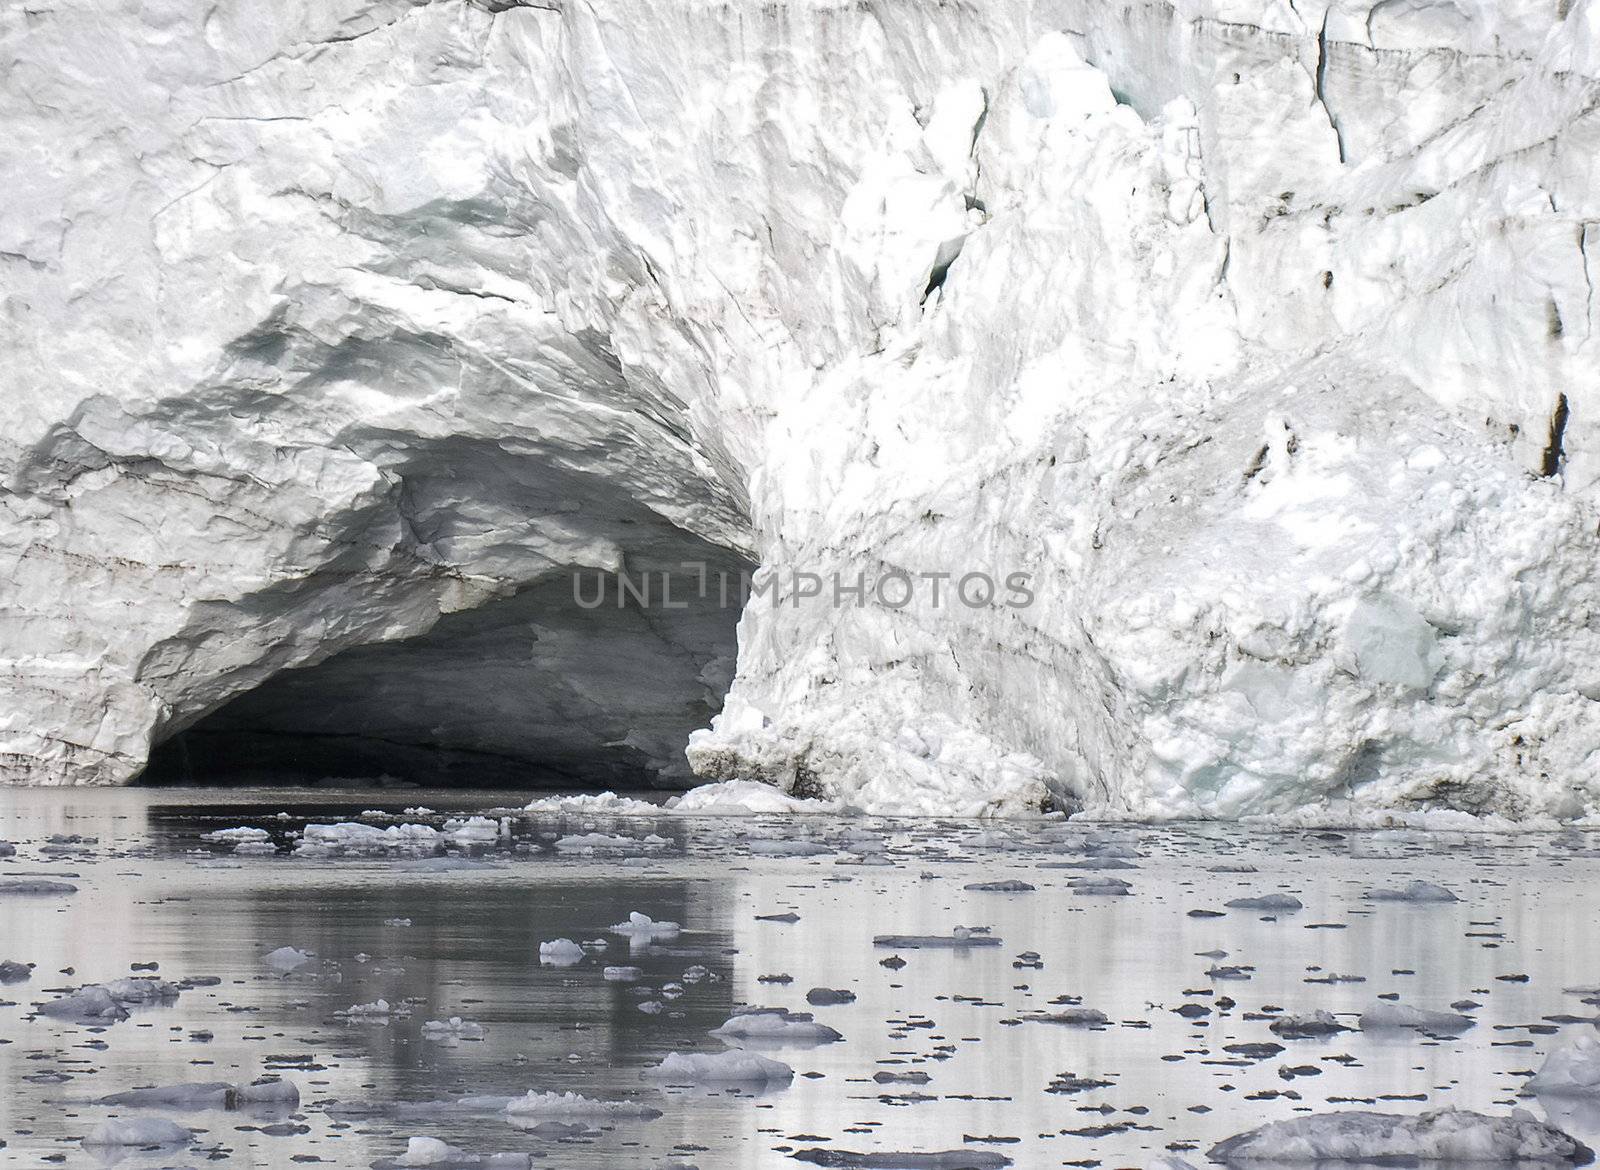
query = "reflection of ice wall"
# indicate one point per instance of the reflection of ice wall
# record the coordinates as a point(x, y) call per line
point(1247, 329)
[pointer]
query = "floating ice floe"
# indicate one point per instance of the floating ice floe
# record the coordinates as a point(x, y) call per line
point(1418, 891)
point(904, 1160)
point(262, 1095)
point(571, 1105)
point(109, 1002)
point(1442, 1135)
point(378, 1010)
point(776, 1026)
point(455, 1028)
point(734, 1066)
point(14, 972)
point(1572, 1070)
point(643, 928)
point(138, 1131)
point(286, 960)
point(1098, 887)
point(774, 847)
point(34, 887)
point(237, 836)
point(1381, 1014)
point(560, 952)
point(622, 974)
point(962, 936)
point(354, 837)
point(1079, 1017)
point(1276, 903)
point(1307, 1025)
point(829, 996)
point(475, 832)
point(747, 798)
point(1008, 886)
point(610, 843)
point(594, 804)
point(427, 1151)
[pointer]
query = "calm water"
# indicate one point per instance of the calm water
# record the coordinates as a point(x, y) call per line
point(151, 891)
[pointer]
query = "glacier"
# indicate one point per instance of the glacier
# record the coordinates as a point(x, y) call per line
point(1258, 335)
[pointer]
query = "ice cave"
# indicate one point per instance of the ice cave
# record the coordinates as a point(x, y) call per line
point(741, 584)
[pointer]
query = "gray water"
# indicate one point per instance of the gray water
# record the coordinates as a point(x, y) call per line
point(150, 891)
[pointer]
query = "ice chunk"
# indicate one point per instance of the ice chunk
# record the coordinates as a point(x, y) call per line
point(1417, 891)
point(829, 996)
point(262, 1095)
point(1008, 886)
point(744, 798)
point(137, 1131)
point(643, 928)
point(1081, 1017)
point(285, 960)
point(378, 1010)
point(776, 1026)
point(35, 887)
point(1443, 1135)
point(560, 952)
point(13, 972)
point(427, 1151)
point(237, 836)
point(558, 1105)
point(455, 1028)
point(473, 832)
point(734, 1066)
point(1303, 1027)
point(1572, 1070)
point(1384, 1014)
point(908, 1160)
point(594, 804)
point(962, 936)
point(622, 974)
point(1276, 903)
point(1100, 887)
point(109, 1002)
point(769, 847)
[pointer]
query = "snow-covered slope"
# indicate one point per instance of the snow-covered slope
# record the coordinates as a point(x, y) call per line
point(1260, 336)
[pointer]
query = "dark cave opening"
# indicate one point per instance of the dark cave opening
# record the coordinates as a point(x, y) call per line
point(584, 683)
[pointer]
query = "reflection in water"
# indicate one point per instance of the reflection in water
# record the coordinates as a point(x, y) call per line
point(938, 1053)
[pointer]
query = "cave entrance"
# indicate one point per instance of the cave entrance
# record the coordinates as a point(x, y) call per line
point(546, 689)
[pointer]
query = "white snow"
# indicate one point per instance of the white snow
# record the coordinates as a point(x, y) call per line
point(1443, 1135)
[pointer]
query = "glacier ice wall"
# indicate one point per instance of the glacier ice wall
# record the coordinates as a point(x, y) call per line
point(1260, 333)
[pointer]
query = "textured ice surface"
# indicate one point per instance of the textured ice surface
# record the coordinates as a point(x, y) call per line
point(137, 1131)
point(1573, 1070)
point(1417, 891)
point(1444, 1135)
point(558, 1105)
point(1257, 335)
point(1384, 1014)
point(733, 1067)
point(776, 1026)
